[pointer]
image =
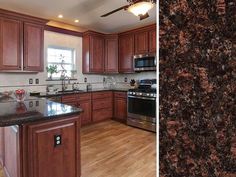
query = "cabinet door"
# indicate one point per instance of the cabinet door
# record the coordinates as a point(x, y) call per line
point(2, 146)
point(120, 108)
point(141, 43)
point(86, 116)
point(111, 55)
point(48, 159)
point(10, 44)
point(33, 47)
point(97, 54)
point(12, 151)
point(126, 53)
point(152, 41)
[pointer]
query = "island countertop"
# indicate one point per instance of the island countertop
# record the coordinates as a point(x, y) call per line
point(32, 110)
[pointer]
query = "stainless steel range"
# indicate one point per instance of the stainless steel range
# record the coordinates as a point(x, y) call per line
point(142, 105)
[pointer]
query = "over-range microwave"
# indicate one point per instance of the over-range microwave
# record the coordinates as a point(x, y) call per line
point(144, 63)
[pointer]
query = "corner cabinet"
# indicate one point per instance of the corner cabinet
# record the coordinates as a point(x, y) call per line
point(111, 54)
point(126, 53)
point(93, 53)
point(21, 42)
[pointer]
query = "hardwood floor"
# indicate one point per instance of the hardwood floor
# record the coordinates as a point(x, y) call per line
point(111, 149)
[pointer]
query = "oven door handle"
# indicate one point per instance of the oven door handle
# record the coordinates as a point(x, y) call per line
point(143, 98)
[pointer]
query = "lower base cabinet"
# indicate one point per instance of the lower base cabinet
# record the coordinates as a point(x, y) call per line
point(120, 106)
point(86, 116)
point(46, 149)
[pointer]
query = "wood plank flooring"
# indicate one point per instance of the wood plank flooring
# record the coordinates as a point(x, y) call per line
point(111, 149)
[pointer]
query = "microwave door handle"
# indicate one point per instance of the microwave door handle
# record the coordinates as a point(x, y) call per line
point(143, 98)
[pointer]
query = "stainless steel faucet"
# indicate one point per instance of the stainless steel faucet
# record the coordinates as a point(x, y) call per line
point(63, 83)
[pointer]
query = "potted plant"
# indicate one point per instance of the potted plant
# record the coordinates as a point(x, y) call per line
point(51, 70)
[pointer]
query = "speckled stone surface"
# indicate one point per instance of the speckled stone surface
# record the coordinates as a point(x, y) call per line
point(198, 88)
point(17, 113)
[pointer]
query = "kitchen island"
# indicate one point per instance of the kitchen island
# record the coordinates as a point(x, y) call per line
point(39, 138)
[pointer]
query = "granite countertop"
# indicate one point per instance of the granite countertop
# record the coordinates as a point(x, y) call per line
point(33, 109)
point(44, 94)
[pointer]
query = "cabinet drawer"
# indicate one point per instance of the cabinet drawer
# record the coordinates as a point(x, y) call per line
point(102, 103)
point(99, 95)
point(120, 94)
point(69, 98)
point(102, 114)
point(84, 96)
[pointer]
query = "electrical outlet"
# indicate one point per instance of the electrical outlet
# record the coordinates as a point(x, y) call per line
point(85, 79)
point(57, 140)
point(104, 79)
point(36, 81)
point(31, 81)
point(126, 80)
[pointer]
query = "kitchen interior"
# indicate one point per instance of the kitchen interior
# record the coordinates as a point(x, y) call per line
point(78, 88)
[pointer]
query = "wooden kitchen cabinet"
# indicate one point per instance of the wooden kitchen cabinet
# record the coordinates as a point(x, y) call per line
point(111, 54)
point(145, 40)
point(93, 52)
point(141, 42)
point(126, 53)
point(85, 104)
point(120, 106)
point(1, 145)
point(102, 106)
point(48, 159)
point(11, 151)
point(152, 40)
point(33, 47)
point(10, 44)
point(21, 42)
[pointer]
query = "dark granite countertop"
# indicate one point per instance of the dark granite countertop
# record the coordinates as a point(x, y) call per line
point(44, 94)
point(31, 110)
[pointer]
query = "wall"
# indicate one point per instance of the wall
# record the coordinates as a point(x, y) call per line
point(197, 88)
point(12, 81)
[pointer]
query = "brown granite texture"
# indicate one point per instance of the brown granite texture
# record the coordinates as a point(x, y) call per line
point(198, 88)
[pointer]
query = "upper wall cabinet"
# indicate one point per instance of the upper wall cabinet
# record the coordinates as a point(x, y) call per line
point(152, 40)
point(100, 53)
point(145, 40)
point(111, 54)
point(141, 42)
point(126, 53)
point(33, 47)
point(93, 52)
point(21, 42)
point(10, 44)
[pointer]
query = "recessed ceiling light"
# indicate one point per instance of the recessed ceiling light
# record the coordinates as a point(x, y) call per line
point(60, 16)
point(76, 21)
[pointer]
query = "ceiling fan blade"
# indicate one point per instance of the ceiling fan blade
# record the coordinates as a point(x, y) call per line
point(142, 17)
point(116, 10)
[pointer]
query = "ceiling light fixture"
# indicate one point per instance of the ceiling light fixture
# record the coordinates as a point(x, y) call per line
point(60, 16)
point(76, 21)
point(140, 8)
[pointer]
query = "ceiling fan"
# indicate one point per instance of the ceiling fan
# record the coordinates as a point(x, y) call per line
point(137, 7)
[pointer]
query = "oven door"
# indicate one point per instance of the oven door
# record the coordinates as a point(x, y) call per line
point(143, 108)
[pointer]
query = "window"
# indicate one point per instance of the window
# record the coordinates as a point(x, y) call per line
point(61, 57)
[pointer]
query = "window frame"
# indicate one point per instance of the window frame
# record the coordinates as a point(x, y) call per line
point(73, 54)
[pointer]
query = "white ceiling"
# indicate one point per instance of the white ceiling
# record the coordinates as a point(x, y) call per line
point(87, 11)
